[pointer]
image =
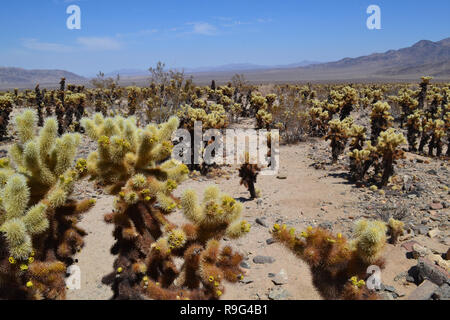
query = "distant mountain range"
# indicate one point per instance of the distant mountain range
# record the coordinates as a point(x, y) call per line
point(423, 58)
point(22, 78)
point(223, 68)
point(407, 64)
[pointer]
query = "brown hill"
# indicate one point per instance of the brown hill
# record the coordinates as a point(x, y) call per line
point(22, 78)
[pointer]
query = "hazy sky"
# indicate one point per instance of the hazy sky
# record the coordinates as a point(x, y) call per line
point(192, 33)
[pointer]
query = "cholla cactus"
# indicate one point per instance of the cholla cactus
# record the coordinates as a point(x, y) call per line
point(123, 149)
point(213, 117)
point(422, 95)
point(447, 128)
point(380, 119)
point(395, 229)
point(370, 239)
point(333, 260)
point(248, 173)
point(358, 135)
point(414, 126)
point(37, 217)
point(236, 111)
point(264, 119)
point(436, 130)
point(79, 100)
point(387, 148)
point(6, 103)
point(43, 158)
point(407, 104)
point(360, 161)
point(39, 105)
point(217, 215)
point(338, 136)
point(347, 98)
point(257, 103)
point(134, 97)
point(319, 119)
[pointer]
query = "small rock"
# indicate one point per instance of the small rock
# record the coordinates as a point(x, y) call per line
point(401, 276)
point(424, 291)
point(326, 225)
point(270, 241)
point(408, 246)
point(436, 206)
point(280, 278)
point(261, 222)
point(278, 293)
point(245, 265)
point(419, 251)
point(281, 177)
point(443, 293)
point(422, 229)
point(246, 280)
point(433, 233)
point(407, 183)
point(432, 272)
point(263, 259)
point(386, 296)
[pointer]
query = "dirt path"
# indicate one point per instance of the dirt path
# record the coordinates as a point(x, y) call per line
point(95, 260)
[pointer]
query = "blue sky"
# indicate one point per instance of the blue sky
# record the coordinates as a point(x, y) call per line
point(193, 33)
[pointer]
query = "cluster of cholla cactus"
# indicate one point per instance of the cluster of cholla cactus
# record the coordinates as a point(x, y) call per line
point(264, 119)
point(380, 119)
point(134, 94)
point(338, 136)
point(6, 103)
point(212, 116)
point(422, 94)
point(338, 266)
point(75, 105)
point(382, 156)
point(319, 121)
point(346, 99)
point(414, 128)
point(407, 103)
point(38, 219)
point(434, 129)
point(135, 165)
